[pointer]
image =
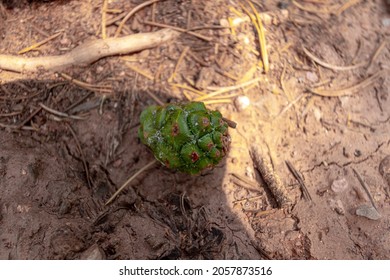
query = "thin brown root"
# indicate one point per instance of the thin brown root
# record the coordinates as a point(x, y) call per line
point(200, 36)
point(378, 51)
point(155, 98)
point(227, 89)
point(349, 90)
point(346, 6)
point(95, 88)
point(86, 169)
point(330, 66)
point(365, 187)
point(147, 166)
point(313, 10)
point(299, 178)
point(60, 114)
point(131, 13)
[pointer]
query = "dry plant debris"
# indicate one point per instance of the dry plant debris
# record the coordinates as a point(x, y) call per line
point(88, 52)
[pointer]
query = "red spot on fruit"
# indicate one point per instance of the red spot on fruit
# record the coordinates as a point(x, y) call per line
point(194, 156)
point(175, 129)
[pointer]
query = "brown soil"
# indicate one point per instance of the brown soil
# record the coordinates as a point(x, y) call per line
point(57, 172)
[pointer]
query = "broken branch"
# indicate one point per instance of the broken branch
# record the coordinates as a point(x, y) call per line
point(88, 52)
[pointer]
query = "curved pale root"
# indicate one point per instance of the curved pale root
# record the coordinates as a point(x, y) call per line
point(88, 52)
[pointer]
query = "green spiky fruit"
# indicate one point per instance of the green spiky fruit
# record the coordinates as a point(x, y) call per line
point(186, 137)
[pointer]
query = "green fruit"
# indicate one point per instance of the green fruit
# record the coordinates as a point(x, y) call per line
point(186, 137)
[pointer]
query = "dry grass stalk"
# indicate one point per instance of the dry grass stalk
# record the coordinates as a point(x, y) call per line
point(104, 19)
point(200, 36)
point(131, 13)
point(34, 46)
point(227, 89)
point(128, 181)
point(351, 89)
point(330, 66)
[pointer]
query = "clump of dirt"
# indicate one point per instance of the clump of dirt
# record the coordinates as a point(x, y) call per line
point(67, 144)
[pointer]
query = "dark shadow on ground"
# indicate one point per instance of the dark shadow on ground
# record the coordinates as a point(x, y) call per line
point(56, 172)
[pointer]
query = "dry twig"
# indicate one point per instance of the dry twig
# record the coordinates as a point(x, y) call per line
point(227, 89)
point(60, 114)
point(349, 90)
point(128, 181)
point(81, 152)
point(346, 6)
point(102, 89)
point(200, 36)
point(182, 55)
point(365, 187)
point(34, 46)
point(299, 178)
point(88, 52)
point(330, 66)
point(131, 13)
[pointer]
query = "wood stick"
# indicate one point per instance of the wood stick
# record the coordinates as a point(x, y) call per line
point(88, 52)
point(274, 183)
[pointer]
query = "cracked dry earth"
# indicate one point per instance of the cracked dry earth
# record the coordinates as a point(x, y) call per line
point(56, 174)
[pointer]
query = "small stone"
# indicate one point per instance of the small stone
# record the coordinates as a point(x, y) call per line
point(65, 41)
point(386, 22)
point(266, 18)
point(99, 69)
point(224, 22)
point(339, 185)
point(317, 114)
point(312, 77)
point(242, 102)
point(384, 168)
point(337, 206)
point(368, 211)
point(249, 172)
point(93, 253)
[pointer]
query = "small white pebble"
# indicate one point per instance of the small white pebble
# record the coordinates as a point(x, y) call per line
point(242, 102)
point(339, 185)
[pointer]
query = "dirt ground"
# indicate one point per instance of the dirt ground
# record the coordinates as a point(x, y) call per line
point(319, 117)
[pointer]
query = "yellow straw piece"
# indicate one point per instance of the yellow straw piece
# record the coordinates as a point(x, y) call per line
point(349, 90)
point(227, 89)
point(139, 71)
point(39, 43)
point(182, 55)
point(188, 88)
